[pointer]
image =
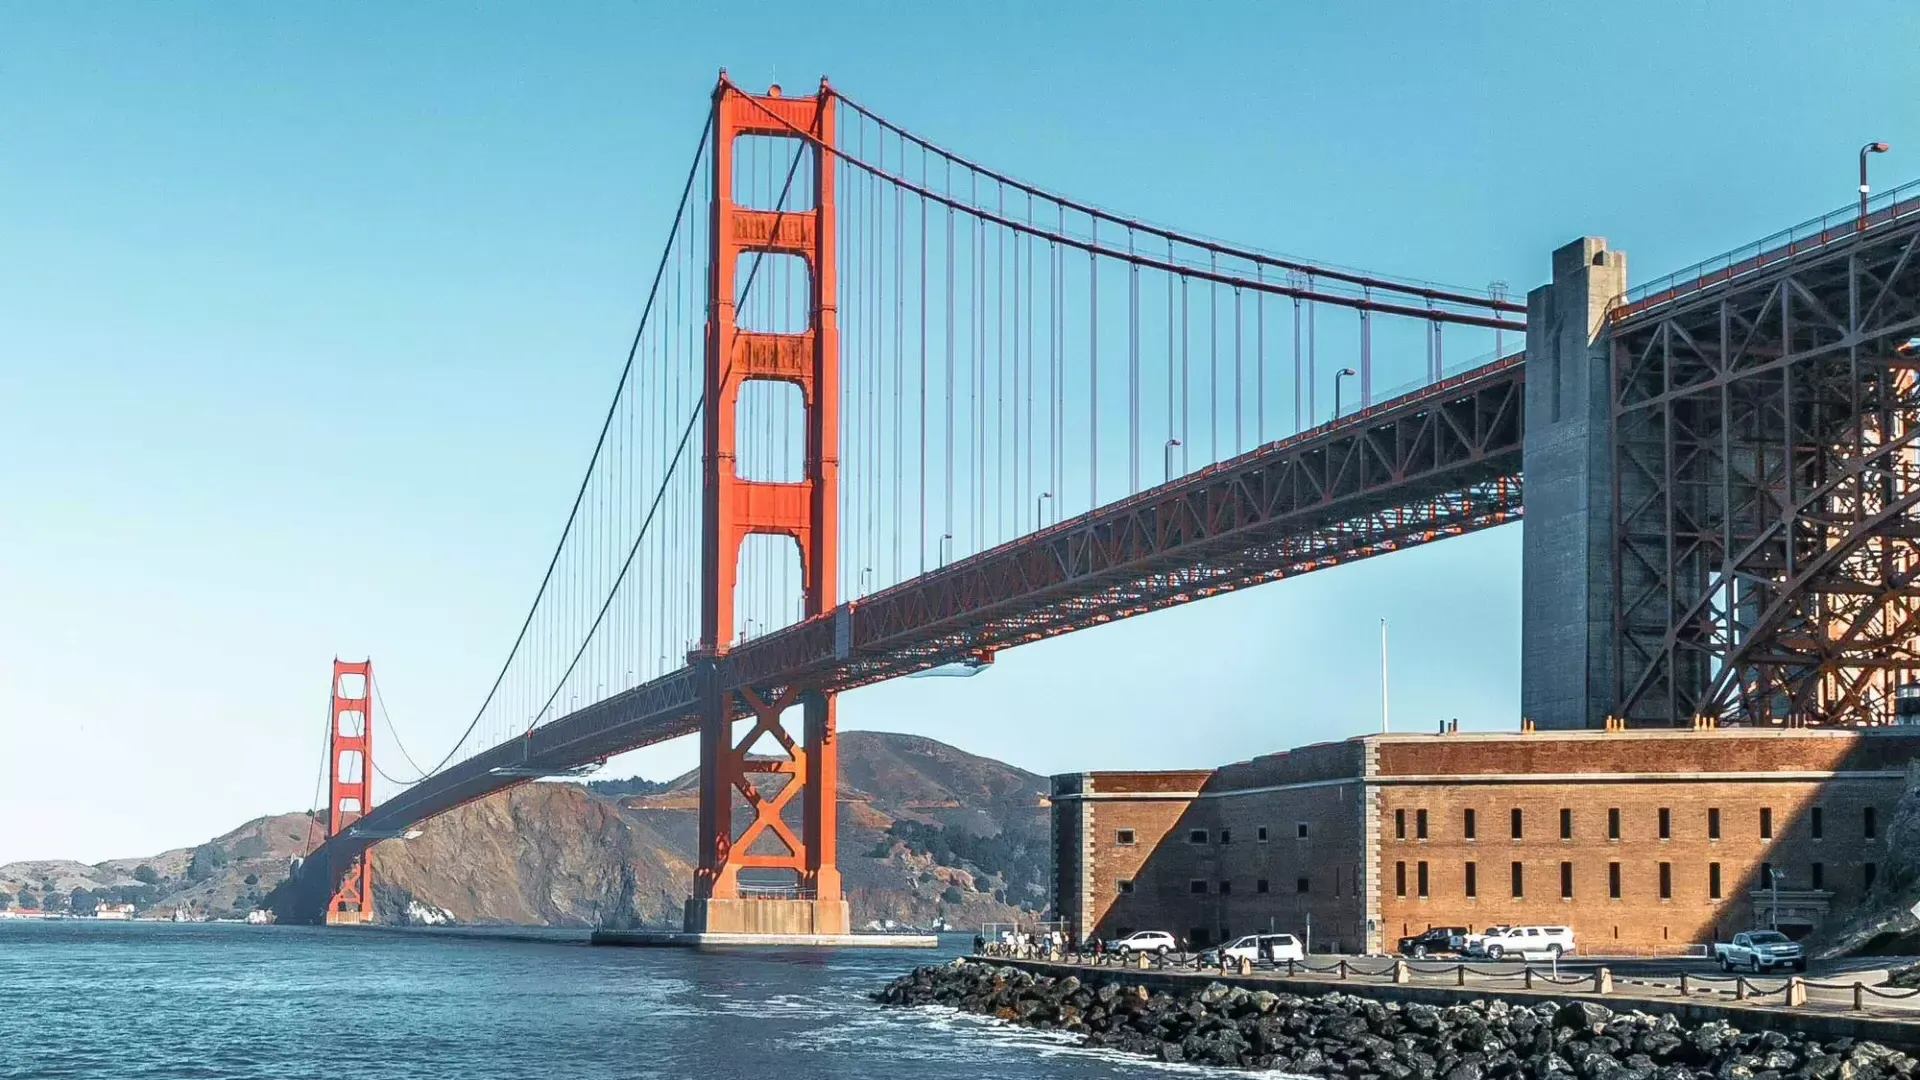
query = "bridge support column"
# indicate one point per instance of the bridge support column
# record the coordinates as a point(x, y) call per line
point(350, 785)
point(1566, 574)
point(793, 883)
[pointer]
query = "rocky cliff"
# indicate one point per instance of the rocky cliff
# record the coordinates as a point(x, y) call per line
point(560, 854)
point(927, 831)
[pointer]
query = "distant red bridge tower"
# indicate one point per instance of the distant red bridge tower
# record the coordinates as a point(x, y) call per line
point(350, 783)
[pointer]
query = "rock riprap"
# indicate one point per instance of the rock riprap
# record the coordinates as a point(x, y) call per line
point(1358, 1038)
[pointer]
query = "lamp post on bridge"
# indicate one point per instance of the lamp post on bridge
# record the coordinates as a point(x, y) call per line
point(946, 540)
point(1167, 454)
point(1341, 374)
point(1870, 148)
point(1038, 504)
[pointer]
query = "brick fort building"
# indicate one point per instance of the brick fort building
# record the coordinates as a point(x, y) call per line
point(1643, 841)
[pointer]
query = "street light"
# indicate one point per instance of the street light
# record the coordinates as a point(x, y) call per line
point(1168, 455)
point(946, 540)
point(1773, 881)
point(1341, 374)
point(866, 575)
point(1037, 505)
point(1870, 148)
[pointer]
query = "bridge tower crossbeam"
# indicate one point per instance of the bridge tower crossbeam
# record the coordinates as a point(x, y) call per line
point(806, 511)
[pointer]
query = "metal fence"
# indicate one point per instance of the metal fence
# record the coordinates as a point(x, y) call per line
point(1791, 990)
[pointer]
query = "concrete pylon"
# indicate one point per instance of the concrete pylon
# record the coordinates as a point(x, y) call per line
point(1566, 574)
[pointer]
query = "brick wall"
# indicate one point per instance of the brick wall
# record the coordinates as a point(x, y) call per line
point(1634, 775)
point(1196, 865)
point(1739, 774)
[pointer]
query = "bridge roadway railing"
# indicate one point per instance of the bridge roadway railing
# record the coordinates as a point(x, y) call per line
point(1438, 461)
point(1832, 227)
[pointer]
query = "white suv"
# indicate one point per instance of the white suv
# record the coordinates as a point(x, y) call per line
point(1523, 940)
point(1264, 947)
point(1153, 941)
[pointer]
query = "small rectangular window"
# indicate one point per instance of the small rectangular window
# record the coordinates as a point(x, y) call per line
point(1302, 885)
point(1226, 888)
point(1260, 835)
point(1566, 824)
point(1197, 836)
point(1226, 836)
point(1566, 881)
point(1260, 885)
point(1517, 830)
point(1666, 881)
point(1123, 886)
point(1766, 823)
point(1713, 881)
point(1198, 886)
point(1399, 879)
point(1466, 825)
point(1613, 823)
point(1868, 872)
point(1666, 824)
point(1473, 880)
point(1766, 876)
point(1613, 881)
point(1422, 877)
point(1399, 824)
point(1817, 823)
point(1519, 881)
point(1300, 831)
point(1420, 824)
point(1869, 823)
point(1123, 837)
point(1713, 823)
point(1817, 874)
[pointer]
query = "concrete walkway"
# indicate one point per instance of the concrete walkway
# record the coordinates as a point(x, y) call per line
point(1852, 1008)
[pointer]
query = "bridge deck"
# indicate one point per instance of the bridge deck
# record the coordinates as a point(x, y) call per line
point(1440, 461)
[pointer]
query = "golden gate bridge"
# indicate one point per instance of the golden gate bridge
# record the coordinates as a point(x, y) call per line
point(889, 410)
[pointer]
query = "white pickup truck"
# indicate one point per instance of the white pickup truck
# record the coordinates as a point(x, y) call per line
point(1760, 950)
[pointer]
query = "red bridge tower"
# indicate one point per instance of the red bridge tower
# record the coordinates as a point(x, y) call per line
point(808, 901)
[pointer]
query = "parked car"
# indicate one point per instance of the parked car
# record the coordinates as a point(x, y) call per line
point(1760, 950)
point(1473, 944)
point(1435, 940)
point(1153, 941)
point(1519, 940)
point(1256, 947)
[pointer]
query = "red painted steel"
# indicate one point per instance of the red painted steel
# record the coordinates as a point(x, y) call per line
point(806, 511)
point(349, 798)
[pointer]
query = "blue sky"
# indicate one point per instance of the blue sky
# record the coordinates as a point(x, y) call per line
point(307, 315)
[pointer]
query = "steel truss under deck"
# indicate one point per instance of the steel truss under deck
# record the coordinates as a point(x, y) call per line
point(1766, 539)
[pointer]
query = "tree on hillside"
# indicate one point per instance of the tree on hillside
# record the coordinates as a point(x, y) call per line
point(251, 879)
point(6, 900)
point(207, 861)
point(82, 902)
point(146, 875)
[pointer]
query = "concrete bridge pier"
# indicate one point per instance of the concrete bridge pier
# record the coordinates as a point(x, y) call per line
point(1566, 575)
